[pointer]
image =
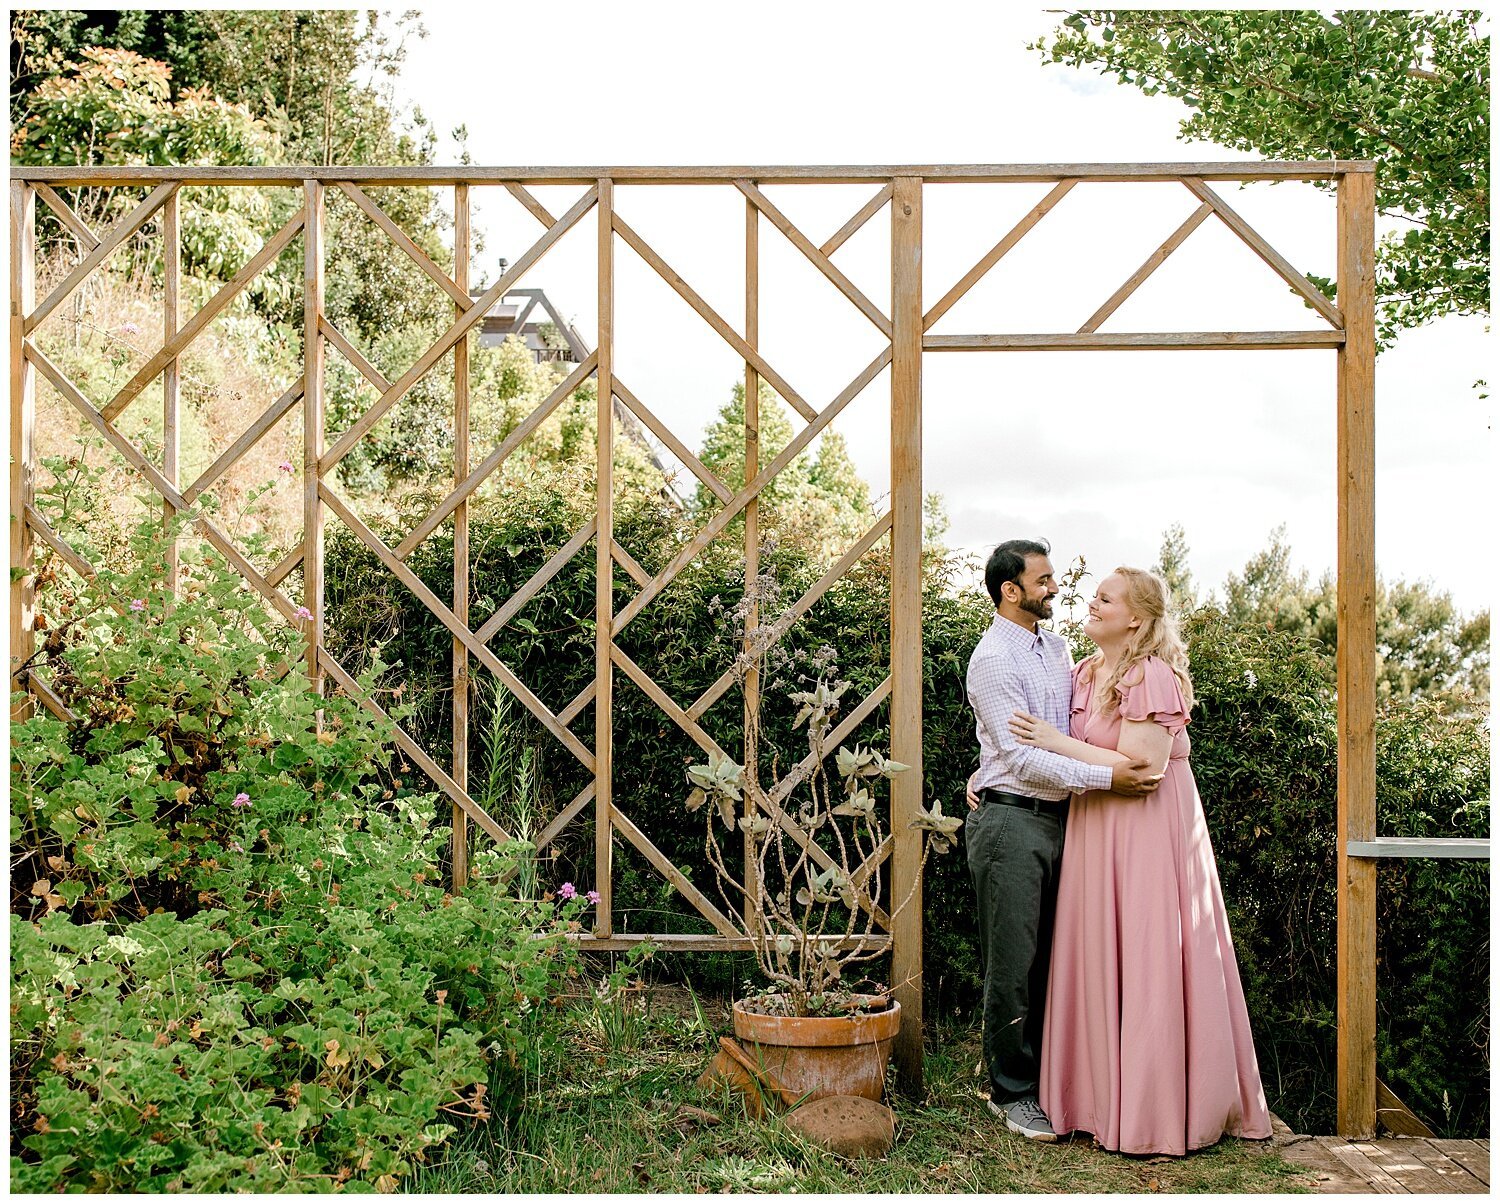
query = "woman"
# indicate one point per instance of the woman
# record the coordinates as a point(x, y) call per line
point(1146, 1042)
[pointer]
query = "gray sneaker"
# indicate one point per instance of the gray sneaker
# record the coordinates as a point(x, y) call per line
point(1025, 1116)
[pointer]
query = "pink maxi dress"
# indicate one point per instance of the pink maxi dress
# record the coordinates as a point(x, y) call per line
point(1146, 1042)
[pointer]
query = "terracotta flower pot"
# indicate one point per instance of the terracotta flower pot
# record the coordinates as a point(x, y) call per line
point(818, 1056)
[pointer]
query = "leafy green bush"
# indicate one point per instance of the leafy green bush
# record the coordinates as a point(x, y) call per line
point(235, 965)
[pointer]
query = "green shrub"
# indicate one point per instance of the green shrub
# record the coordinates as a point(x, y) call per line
point(234, 964)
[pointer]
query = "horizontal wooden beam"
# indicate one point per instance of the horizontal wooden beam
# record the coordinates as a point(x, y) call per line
point(1228, 340)
point(677, 942)
point(963, 173)
point(1400, 846)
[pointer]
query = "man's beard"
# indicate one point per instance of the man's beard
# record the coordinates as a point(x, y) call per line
point(1040, 607)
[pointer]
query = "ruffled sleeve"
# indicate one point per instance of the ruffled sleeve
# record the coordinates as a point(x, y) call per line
point(1082, 687)
point(1155, 695)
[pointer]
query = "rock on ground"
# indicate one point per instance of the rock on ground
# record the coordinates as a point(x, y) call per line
point(846, 1124)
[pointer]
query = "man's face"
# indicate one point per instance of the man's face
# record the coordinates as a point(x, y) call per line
point(1036, 587)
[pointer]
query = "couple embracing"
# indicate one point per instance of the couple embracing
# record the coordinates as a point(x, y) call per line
point(1112, 1001)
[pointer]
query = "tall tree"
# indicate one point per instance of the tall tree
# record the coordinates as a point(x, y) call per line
point(1172, 566)
point(1409, 89)
point(1425, 646)
point(818, 500)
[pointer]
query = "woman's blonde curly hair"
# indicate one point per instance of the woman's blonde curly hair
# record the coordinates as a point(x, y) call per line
point(1147, 597)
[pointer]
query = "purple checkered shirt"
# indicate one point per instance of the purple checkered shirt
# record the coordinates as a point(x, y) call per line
point(1013, 669)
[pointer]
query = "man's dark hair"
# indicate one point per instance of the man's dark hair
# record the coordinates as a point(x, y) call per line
point(1008, 562)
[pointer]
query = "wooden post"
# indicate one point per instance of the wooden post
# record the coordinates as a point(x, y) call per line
point(461, 682)
point(1356, 654)
point(604, 565)
point(906, 620)
point(312, 427)
point(171, 375)
point(22, 426)
point(752, 552)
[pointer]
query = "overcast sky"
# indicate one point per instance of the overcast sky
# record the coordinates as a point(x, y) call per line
point(1099, 452)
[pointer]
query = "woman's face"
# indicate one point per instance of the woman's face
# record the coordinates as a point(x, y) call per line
point(1110, 619)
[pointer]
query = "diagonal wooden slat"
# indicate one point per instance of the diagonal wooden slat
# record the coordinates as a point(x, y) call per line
point(64, 213)
point(221, 542)
point(533, 206)
point(709, 315)
point(878, 857)
point(445, 616)
point(353, 354)
point(497, 457)
point(44, 691)
point(996, 253)
point(538, 581)
point(412, 749)
point(1300, 283)
point(58, 544)
point(725, 516)
point(253, 434)
point(664, 701)
point(672, 874)
point(816, 257)
point(575, 708)
point(403, 240)
point(852, 227)
point(784, 621)
point(564, 817)
point(679, 449)
point(118, 233)
point(630, 564)
point(286, 565)
point(1153, 261)
point(458, 330)
point(200, 320)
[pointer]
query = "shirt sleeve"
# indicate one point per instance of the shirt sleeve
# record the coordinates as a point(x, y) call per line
point(995, 692)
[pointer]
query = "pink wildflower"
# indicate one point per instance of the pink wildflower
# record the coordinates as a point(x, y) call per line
point(130, 328)
point(285, 466)
point(236, 847)
point(242, 799)
point(137, 604)
point(303, 613)
point(566, 891)
point(593, 897)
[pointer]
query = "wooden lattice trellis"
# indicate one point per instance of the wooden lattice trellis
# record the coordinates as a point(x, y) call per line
point(903, 324)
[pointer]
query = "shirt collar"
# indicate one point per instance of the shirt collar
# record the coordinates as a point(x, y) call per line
point(1015, 635)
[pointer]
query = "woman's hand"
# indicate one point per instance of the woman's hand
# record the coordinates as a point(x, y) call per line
point(1037, 733)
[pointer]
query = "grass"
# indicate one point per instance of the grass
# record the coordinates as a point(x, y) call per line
point(611, 1120)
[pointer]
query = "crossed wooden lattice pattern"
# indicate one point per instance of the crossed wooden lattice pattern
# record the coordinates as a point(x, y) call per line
point(902, 323)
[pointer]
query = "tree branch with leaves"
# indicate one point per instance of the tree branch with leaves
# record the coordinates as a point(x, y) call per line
point(1407, 89)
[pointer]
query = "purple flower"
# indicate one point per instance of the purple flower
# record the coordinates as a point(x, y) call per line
point(137, 604)
point(130, 328)
point(566, 891)
point(593, 897)
point(236, 847)
point(303, 613)
point(242, 799)
point(285, 466)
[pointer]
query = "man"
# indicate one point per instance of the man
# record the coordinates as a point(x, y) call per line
point(1014, 834)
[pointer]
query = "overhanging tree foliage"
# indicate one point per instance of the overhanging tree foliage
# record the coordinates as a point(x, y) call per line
point(1409, 89)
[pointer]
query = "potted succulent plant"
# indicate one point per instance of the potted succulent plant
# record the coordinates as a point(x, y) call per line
point(810, 888)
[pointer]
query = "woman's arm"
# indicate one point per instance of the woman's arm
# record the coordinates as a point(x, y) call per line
point(1038, 733)
point(1145, 738)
